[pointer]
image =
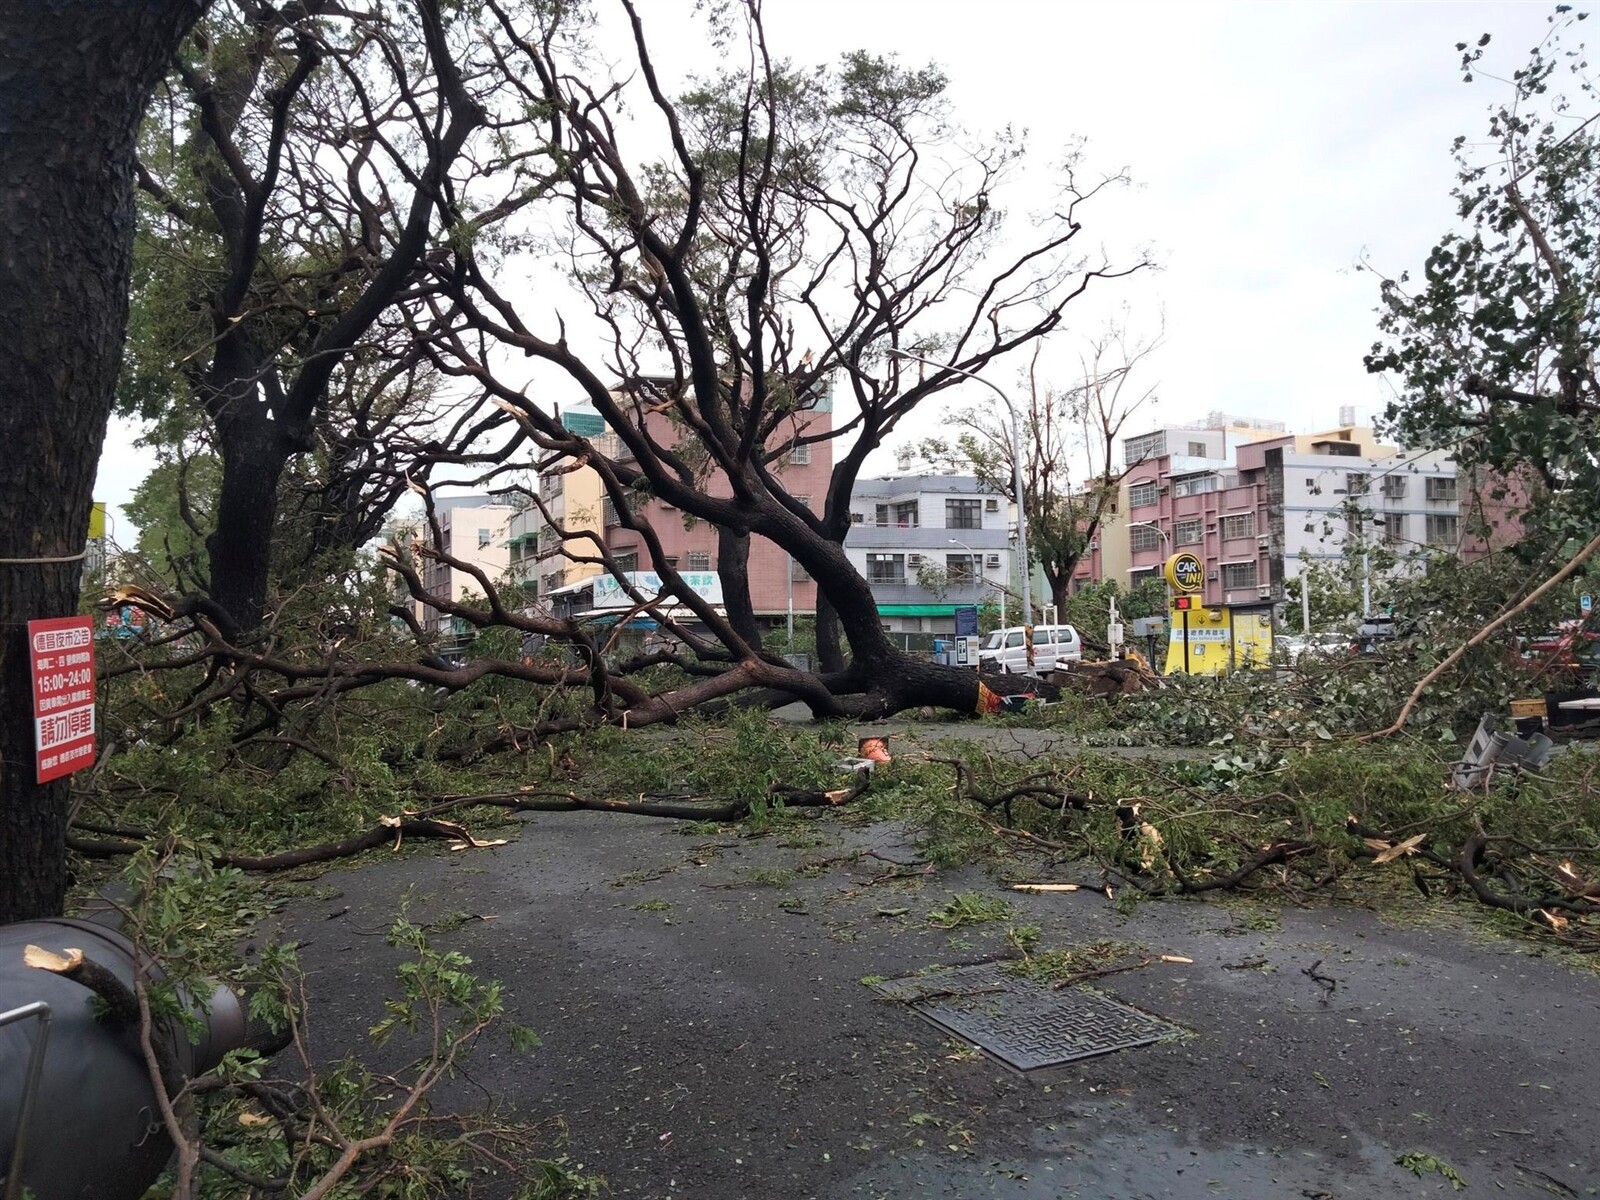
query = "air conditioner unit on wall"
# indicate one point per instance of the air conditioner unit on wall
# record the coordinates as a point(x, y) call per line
point(1264, 540)
point(991, 506)
point(913, 560)
point(1265, 593)
point(1211, 576)
point(993, 561)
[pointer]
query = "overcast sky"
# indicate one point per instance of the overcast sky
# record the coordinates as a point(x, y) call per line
point(1272, 145)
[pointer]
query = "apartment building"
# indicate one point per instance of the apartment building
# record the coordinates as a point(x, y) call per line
point(472, 529)
point(1135, 538)
point(572, 496)
point(1257, 506)
point(778, 585)
point(1328, 493)
point(928, 543)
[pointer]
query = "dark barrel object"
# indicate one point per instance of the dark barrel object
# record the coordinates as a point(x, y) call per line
point(94, 1131)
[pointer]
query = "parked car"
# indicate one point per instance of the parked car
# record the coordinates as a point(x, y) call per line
point(1005, 651)
point(1379, 630)
point(1294, 646)
point(1572, 647)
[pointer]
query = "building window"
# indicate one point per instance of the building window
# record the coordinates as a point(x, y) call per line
point(627, 562)
point(858, 518)
point(992, 504)
point(484, 537)
point(1394, 529)
point(886, 568)
point(797, 573)
point(1195, 485)
point(905, 514)
point(963, 514)
point(1188, 533)
point(1144, 537)
point(961, 568)
point(1440, 488)
point(1197, 449)
point(608, 512)
point(1355, 522)
point(1141, 495)
point(699, 560)
point(1135, 578)
point(1394, 487)
point(1238, 575)
point(1357, 484)
point(1149, 445)
point(1240, 525)
point(800, 455)
point(1443, 529)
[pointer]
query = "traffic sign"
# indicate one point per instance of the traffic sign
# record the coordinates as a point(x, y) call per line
point(1586, 604)
point(1186, 572)
point(61, 661)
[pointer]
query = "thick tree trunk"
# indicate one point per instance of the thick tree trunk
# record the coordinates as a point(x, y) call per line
point(254, 455)
point(74, 76)
point(830, 650)
point(733, 569)
point(1060, 589)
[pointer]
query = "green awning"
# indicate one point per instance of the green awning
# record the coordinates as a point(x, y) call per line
point(917, 610)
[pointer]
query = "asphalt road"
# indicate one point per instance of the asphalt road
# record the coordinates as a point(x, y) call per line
point(717, 1042)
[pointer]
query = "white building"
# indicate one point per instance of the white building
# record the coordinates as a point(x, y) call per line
point(473, 529)
point(910, 531)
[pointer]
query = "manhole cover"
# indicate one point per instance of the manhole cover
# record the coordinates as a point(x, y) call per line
point(1023, 1023)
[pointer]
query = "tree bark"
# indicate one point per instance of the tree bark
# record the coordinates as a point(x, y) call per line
point(1060, 589)
point(254, 454)
point(733, 569)
point(830, 650)
point(74, 77)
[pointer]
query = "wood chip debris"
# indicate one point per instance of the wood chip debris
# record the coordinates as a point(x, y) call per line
point(1046, 887)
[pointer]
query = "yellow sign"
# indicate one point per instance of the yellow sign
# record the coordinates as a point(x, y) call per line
point(1212, 641)
point(1185, 572)
point(97, 520)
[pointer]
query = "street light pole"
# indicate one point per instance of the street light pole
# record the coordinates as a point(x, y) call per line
point(1016, 470)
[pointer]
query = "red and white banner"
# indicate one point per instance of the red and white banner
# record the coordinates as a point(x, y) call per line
point(61, 655)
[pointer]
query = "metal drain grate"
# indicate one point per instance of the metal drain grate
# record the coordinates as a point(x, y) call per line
point(1023, 1023)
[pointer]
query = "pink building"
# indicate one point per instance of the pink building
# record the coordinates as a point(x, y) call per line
point(1492, 505)
point(1209, 509)
point(690, 545)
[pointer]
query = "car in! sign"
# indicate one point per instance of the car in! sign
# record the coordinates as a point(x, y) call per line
point(61, 660)
point(1186, 572)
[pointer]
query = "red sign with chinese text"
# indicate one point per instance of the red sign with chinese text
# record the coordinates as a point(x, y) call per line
point(61, 657)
